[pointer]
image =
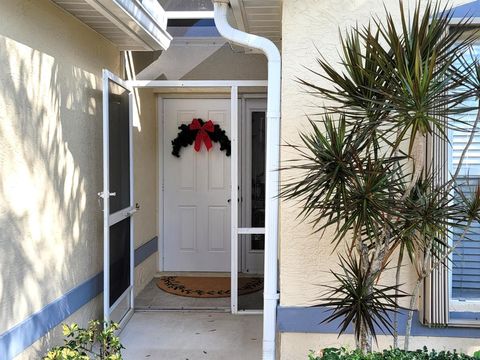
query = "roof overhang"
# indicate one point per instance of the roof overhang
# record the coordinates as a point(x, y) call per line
point(130, 24)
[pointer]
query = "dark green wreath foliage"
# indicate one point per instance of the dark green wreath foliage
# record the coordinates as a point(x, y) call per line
point(186, 137)
point(391, 354)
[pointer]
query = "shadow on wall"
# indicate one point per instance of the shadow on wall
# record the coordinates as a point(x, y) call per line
point(51, 166)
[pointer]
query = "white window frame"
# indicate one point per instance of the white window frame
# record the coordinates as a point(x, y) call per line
point(459, 305)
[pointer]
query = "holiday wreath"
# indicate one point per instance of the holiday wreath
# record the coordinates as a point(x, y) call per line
point(199, 132)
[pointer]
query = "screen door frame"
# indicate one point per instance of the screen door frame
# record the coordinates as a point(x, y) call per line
point(123, 214)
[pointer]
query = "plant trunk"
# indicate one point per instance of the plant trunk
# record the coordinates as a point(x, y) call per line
point(365, 340)
point(418, 162)
point(413, 301)
point(395, 314)
point(364, 337)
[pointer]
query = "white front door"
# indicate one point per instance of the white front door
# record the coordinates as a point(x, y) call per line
point(196, 191)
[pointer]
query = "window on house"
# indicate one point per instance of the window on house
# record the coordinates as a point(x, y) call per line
point(191, 28)
point(187, 5)
point(465, 260)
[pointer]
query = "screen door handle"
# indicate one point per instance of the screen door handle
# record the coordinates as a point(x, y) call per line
point(131, 212)
point(102, 194)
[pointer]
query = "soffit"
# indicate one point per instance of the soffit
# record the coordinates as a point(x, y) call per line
point(259, 17)
point(129, 24)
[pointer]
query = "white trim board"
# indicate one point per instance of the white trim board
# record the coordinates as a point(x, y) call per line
point(196, 83)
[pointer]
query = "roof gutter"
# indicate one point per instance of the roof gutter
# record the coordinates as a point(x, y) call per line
point(272, 167)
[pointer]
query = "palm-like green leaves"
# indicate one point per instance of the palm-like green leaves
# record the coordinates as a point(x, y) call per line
point(342, 184)
point(424, 80)
point(401, 80)
point(326, 164)
point(357, 300)
point(469, 203)
point(429, 217)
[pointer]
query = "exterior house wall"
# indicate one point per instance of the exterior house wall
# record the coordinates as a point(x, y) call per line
point(308, 25)
point(306, 259)
point(50, 160)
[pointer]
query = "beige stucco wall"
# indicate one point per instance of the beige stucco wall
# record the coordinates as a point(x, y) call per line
point(309, 24)
point(305, 259)
point(50, 156)
point(145, 180)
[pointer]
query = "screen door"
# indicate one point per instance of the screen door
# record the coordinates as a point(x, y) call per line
point(117, 197)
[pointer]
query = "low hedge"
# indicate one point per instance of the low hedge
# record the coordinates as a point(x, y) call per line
point(392, 354)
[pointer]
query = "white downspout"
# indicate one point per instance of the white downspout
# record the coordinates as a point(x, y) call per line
point(272, 167)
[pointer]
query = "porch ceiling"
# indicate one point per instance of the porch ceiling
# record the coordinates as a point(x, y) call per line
point(129, 24)
point(259, 17)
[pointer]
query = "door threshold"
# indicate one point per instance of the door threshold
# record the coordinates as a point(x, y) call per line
point(203, 274)
point(187, 309)
point(192, 274)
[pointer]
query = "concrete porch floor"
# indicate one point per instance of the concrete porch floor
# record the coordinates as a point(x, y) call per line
point(192, 336)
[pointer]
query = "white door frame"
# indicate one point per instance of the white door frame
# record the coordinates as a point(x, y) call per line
point(111, 219)
point(233, 85)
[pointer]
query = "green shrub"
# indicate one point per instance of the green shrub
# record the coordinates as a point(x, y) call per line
point(392, 354)
point(96, 342)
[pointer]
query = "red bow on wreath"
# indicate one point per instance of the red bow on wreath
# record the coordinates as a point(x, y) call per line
point(202, 134)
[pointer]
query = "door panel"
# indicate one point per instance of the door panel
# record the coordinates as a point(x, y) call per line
point(187, 234)
point(196, 192)
point(119, 259)
point(218, 234)
point(119, 146)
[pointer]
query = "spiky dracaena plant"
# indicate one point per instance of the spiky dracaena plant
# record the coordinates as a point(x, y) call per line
point(363, 165)
point(356, 299)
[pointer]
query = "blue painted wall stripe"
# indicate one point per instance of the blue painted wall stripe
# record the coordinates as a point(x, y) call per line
point(309, 320)
point(21, 336)
point(24, 334)
point(146, 250)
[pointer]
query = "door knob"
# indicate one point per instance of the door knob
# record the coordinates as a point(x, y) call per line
point(230, 200)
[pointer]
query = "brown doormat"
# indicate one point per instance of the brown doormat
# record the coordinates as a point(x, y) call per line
point(207, 287)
